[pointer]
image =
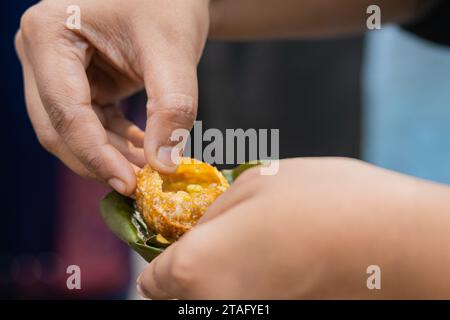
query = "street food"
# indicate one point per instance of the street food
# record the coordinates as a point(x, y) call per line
point(172, 204)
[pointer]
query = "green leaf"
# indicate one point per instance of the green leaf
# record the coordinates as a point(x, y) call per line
point(233, 174)
point(120, 216)
point(125, 222)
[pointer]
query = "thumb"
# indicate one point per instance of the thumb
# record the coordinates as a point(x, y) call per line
point(171, 85)
point(173, 274)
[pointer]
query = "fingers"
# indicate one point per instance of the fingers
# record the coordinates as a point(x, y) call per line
point(245, 188)
point(171, 85)
point(50, 139)
point(117, 123)
point(155, 282)
point(167, 276)
point(45, 132)
point(59, 71)
point(123, 135)
point(174, 274)
point(191, 269)
point(127, 149)
point(168, 58)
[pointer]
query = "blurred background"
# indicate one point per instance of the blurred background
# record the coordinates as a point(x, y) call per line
point(384, 97)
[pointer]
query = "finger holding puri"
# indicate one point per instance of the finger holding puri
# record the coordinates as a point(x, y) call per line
point(57, 64)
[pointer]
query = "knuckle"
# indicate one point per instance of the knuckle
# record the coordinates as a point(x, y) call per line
point(32, 19)
point(177, 108)
point(18, 43)
point(92, 158)
point(62, 120)
point(48, 140)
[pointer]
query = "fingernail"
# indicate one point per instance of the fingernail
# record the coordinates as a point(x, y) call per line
point(139, 289)
point(118, 185)
point(168, 156)
point(138, 280)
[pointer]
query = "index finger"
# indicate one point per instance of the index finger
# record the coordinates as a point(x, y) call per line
point(59, 67)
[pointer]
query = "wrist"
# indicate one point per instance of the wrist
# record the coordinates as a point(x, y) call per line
point(379, 232)
point(405, 237)
point(423, 272)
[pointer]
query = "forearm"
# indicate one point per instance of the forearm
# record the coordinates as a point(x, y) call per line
point(409, 240)
point(253, 19)
point(398, 223)
point(424, 258)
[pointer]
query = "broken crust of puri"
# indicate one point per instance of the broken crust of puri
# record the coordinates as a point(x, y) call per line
point(172, 204)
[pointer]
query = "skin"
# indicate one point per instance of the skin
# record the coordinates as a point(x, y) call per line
point(311, 231)
point(75, 78)
point(308, 232)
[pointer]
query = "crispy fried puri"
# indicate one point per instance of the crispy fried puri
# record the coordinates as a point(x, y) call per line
point(172, 204)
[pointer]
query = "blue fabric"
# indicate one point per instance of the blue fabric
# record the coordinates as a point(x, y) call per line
point(406, 99)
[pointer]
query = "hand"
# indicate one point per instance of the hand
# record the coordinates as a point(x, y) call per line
point(74, 78)
point(311, 231)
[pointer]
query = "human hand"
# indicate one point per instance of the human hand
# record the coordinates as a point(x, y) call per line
point(310, 231)
point(74, 78)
